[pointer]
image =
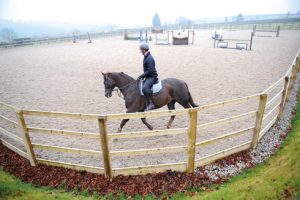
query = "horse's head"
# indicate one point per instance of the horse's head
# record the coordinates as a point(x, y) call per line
point(109, 84)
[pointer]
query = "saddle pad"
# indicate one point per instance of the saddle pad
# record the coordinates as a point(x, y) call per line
point(156, 88)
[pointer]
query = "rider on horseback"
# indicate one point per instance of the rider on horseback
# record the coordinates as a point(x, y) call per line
point(150, 75)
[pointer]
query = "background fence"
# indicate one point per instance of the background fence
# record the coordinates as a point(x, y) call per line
point(268, 108)
point(266, 25)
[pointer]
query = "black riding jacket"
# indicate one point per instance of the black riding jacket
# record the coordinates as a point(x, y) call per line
point(149, 67)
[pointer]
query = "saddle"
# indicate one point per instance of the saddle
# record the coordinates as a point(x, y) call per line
point(156, 87)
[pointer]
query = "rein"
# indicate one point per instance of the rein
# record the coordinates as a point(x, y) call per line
point(118, 90)
point(125, 86)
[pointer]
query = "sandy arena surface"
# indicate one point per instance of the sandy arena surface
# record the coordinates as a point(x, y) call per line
point(66, 77)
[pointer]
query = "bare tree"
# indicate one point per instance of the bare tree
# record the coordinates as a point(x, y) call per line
point(183, 21)
point(8, 34)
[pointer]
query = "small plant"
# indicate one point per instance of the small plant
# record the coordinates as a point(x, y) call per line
point(96, 195)
point(110, 196)
point(62, 185)
point(85, 193)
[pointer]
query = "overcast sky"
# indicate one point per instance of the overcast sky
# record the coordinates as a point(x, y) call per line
point(136, 12)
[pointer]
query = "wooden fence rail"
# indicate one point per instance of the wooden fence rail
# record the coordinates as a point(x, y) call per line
point(265, 110)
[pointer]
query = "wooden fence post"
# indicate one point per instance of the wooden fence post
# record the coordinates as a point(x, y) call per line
point(283, 98)
point(104, 146)
point(192, 140)
point(295, 74)
point(298, 64)
point(26, 138)
point(277, 32)
point(259, 118)
point(292, 81)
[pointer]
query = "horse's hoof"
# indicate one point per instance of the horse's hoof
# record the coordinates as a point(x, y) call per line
point(168, 127)
point(119, 130)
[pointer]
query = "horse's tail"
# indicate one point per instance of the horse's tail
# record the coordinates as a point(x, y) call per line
point(191, 101)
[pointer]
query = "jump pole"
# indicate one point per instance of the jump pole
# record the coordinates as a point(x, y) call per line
point(215, 35)
point(278, 29)
point(252, 34)
point(74, 37)
point(146, 36)
point(90, 41)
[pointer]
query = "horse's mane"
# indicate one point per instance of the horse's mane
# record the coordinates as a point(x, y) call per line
point(121, 74)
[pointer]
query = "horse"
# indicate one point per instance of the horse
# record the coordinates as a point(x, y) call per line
point(173, 90)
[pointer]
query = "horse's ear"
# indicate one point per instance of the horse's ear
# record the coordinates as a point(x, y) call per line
point(122, 72)
point(103, 73)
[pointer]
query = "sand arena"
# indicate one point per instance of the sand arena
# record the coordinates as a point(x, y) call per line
point(66, 77)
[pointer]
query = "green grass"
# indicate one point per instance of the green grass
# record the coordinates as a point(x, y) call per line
point(275, 179)
point(12, 188)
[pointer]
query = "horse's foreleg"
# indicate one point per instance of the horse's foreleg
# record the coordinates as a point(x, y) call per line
point(123, 122)
point(171, 121)
point(171, 106)
point(146, 123)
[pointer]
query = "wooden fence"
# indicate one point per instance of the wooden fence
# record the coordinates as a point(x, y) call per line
point(268, 30)
point(55, 39)
point(266, 115)
point(266, 25)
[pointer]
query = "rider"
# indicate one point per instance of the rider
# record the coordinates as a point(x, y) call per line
point(150, 75)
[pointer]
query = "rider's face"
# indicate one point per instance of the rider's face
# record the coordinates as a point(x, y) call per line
point(142, 51)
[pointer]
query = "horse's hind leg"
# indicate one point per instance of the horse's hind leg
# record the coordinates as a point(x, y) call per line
point(171, 106)
point(146, 123)
point(123, 122)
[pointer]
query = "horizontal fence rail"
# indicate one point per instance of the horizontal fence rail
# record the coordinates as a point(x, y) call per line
point(67, 149)
point(221, 154)
point(63, 132)
point(61, 114)
point(268, 111)
point(15, 149)
point(229, 135)
point(148, 114)
point(149, 169)
point(91, 169)
point(148, 133)
point(149, 151)
point(226, 120)
point(226, 103)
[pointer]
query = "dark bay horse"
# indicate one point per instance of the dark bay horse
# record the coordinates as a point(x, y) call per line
point(173, 91)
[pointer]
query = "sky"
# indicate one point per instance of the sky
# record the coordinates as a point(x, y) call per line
point(136, 12)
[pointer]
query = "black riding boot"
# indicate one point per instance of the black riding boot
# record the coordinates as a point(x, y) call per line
point(149, 102)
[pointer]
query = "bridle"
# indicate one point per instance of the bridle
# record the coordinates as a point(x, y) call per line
point(118, 90)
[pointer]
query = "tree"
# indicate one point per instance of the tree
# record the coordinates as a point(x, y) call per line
point(182, 20)
point(239, 17)
point(8, 34)
point(156, 21)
